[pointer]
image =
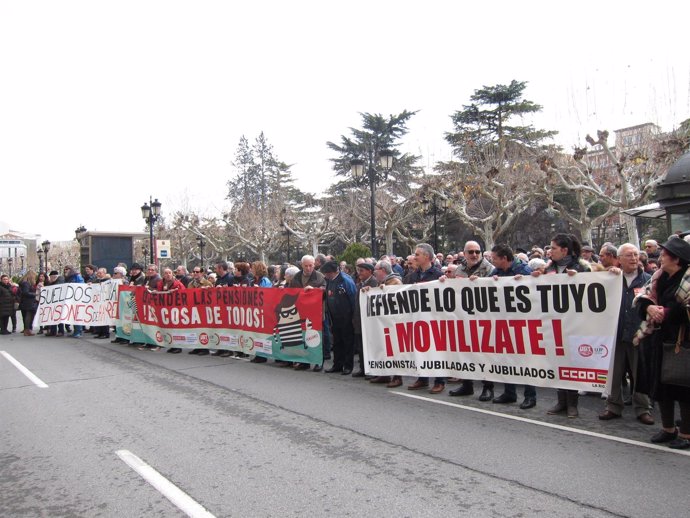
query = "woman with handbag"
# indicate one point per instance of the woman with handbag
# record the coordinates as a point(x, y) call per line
point(664, 306)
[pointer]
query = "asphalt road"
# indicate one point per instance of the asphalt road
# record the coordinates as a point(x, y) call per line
point(242, 439)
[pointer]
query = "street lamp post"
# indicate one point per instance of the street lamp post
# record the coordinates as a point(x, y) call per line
point(374, 175)
point(145, 251)
point(21, 257)
point(435, 204)
point(151, 213)
point(201, 243)
point(46, 249)
point(39, 253)
point(9, 265)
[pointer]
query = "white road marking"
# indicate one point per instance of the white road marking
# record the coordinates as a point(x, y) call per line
point(26, 372)
point(623, 440)
point(179, 498)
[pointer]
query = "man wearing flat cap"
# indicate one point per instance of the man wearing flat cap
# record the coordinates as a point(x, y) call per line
point(365, 277)
point(340, 304)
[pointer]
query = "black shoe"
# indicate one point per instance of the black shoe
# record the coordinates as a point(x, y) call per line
point(358, 374)
point(174, 350)
point(663, 436)
point(529, 402)
point(225, 354)
point(504, 399)
point(258, 359)
point(679, 444)
point(103, 337)
point(334, 369)
point(487, 394)
point(462, 390)
point(301, 367)
point(346, 372)
point(317, 368)
point(119, 341)
point(202, 352)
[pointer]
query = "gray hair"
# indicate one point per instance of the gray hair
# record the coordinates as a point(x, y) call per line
point(619, 251)
point(306, 258)
point(536, 263)
point(612, 250)
point(427, 249)
point(291, 270)
point(385, 266)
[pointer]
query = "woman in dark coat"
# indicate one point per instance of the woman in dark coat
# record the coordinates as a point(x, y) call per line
point(664, 305)
point(27, 302)
point(7, 300)
point(565, 258)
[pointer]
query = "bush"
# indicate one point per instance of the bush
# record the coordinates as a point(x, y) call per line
point(353, 252)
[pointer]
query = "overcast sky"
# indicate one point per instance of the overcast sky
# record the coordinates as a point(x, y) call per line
point(105, 103)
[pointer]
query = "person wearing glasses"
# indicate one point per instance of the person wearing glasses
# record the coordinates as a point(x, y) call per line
point(473, 264)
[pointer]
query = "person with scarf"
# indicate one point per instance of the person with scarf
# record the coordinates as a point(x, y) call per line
point(565, 259)
point(664, 306)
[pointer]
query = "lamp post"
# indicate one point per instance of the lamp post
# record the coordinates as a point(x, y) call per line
point(434, 204)
point(21, 257)
point(151, 213)
point(46, 248)
point(39, 253)
point(145, 251)
point(9, 265)
point(373, 175)
point(200, 241)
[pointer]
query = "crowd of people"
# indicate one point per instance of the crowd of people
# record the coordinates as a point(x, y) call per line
point(656, 295)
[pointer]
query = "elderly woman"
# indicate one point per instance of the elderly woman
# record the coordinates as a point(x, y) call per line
point(664, 306)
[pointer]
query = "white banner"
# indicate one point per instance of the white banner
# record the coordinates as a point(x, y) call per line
point(553, 331)
point(79, 304)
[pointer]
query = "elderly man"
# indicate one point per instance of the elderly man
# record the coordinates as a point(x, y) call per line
point(608, 256)
point(136, 275)
point(365, 276)
point(340, 304)
point(386, 276)
point(473, 264)
point(309, 277)
point(587, 253)
point(426, 271)
point(634, 278)
point(224, 277)
point(152, 277)
point(651, 247)
point(182, 275)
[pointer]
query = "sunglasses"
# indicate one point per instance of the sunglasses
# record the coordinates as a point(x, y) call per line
point(476, 252)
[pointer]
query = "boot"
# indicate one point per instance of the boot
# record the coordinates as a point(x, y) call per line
point(571, 402)
point(561, 406)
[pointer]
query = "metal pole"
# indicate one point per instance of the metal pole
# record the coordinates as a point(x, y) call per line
point(435, 229)
point(288, 246)
point(372, 186)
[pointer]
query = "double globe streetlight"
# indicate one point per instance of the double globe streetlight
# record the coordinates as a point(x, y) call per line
point(42, 254)
point(202, 243)
point(367, 171)
point(151, 212)
point(435, 204)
